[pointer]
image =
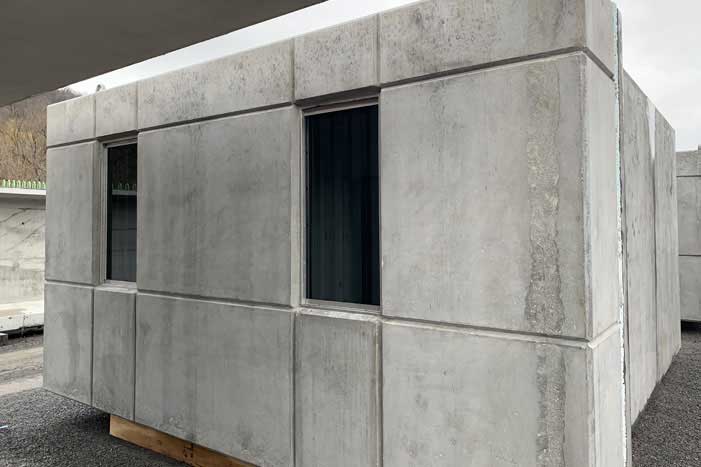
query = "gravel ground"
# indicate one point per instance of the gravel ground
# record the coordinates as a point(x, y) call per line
point(45, 430)
point(668, 432)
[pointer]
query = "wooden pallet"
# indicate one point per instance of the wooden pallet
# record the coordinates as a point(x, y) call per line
point(175, 448)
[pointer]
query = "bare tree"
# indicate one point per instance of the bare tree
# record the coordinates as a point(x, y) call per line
point(23, 136)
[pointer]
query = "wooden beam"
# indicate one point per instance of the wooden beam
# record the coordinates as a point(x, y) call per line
point(170, 446)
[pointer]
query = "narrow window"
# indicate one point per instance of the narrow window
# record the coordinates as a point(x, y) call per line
point(121, 213)
point(343, 232)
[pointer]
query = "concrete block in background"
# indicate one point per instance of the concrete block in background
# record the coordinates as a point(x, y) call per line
point(337, 59)
point(511, 145)
point(451, 395)
point(689, 163)
point(72, 213)
point(257, 78)
point(113, 350)
point(690, 285)
point(218, 375)
point(219, 199)
point(666, 245)
point(689, 207)
point(337, 391)
point(441, 35)
point(22, 246)
point(71, 120)
point(115, 110)
point(638, 175)
point(68, 341)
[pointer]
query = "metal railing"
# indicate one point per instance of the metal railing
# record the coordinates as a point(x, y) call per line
point(23, 184)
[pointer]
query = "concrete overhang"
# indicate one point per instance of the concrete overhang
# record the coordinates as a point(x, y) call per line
point(45, 45)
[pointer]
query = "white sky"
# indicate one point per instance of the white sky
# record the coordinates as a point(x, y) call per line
point(661, 40)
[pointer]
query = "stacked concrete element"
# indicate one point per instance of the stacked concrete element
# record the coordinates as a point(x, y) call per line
point(689, 188)
point(498, 339)
point(22, 220)
point(651, 251)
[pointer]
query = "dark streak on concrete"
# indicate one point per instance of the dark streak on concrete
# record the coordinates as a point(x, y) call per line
point(544, 307)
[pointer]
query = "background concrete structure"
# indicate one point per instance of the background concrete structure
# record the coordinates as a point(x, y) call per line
point(650, 245)
point(499, 336)
point(22, 220)
point(689, 186)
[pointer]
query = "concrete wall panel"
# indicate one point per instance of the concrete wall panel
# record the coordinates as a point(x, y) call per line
point(113, 350)
point(689, 163)
point(337, 400)
point(666, 250)
point(638, 175)
point(690, 284)
point(439, 35)
point(601, 202)
point(218, 375)
point(607, 373)
point(483, 224)
point(71, 120)
point(337, 59)
point(72, 213)
point(216, 203)
point(115, 110)
point(689, 207)
point(451, 397)
point(22, 247)
point(68, 341)
point(253, 79)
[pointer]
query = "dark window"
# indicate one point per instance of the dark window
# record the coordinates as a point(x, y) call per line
point(343, 221)
point(121, 213)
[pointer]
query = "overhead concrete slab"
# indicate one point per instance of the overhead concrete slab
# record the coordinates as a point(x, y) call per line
point(43, 46)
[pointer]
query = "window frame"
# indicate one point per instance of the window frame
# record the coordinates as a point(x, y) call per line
point(305, 301)
point(104, 195)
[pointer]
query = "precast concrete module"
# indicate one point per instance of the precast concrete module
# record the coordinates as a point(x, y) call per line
point(399, 241)
point(650, 244)
point(689, 198)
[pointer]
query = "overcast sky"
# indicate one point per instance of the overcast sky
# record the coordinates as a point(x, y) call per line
point(661, 40)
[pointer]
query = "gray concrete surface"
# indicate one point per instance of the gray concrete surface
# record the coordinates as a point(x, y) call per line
point(223, 224)
point(22, 225)
point(690, 285)
point(690, 215)
point(72, 120)
point(68, 345)
point(652, 291)
point(440, 35)
point(258, 78)
point(337, 413)
point(38, 41)
point(114, 337)
point(115, 110)
point(666, 245)
point(689, 212)
point(689, 163)
point(337, 59)
point(216, 374)
point(72, 213)
point(526, 171)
